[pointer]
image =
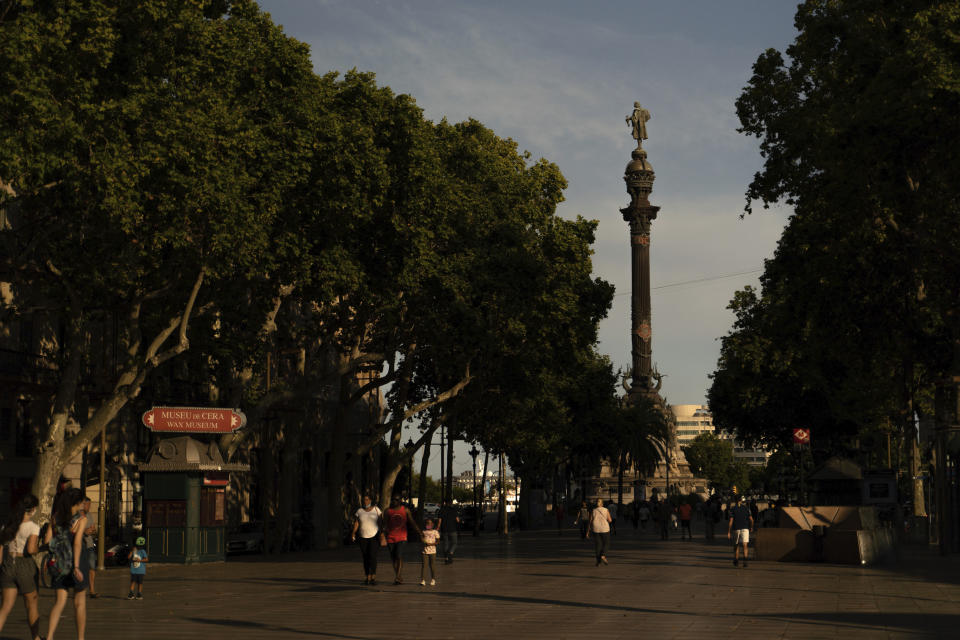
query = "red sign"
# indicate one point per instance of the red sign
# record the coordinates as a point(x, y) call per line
point(216, 479)
point(194, 420)
point(801, 436)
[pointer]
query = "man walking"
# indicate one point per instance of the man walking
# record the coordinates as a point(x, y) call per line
point(711, 516)
point(449, 529)
point(740, 522)
point(685, 511)
point(664, 511)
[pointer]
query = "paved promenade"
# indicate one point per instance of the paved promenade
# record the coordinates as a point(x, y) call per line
point(532, 585)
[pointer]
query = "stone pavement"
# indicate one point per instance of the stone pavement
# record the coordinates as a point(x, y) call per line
point(530, 585)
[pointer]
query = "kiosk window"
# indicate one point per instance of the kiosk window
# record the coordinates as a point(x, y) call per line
point(166, 513)
point(212, 506)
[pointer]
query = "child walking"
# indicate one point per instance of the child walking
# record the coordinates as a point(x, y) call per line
point(138, 568)
point(430, 537)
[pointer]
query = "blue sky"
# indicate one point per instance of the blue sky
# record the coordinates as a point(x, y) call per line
point(559, 77)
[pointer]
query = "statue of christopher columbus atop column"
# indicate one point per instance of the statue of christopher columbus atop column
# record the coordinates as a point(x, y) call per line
point(638, 120)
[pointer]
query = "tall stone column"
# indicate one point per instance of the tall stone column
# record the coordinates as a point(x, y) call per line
point(645, 381)
point(640, 214)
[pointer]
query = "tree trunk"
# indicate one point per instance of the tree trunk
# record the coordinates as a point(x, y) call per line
point(443, 457)
point(335, 466)
point(503, 527)
point(268, 493)
point(49, 455)
point(909, 431)
point(424, 462)
point(394, 461)
point(919, 503)
point(483, 482)
point(390, 474)
point(620, 483)
point(289, 472)
point(448, 490)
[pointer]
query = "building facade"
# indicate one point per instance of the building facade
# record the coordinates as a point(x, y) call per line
point(695, 419)
point(692, 420)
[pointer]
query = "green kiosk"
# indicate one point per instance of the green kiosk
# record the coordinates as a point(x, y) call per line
point(184, 492)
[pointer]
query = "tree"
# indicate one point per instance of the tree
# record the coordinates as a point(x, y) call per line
point(142, 173)
point(857, 312)
point(712, 458)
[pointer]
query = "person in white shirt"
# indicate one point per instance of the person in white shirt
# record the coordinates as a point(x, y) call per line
point(600, 528)
point(19, 541)
point(367, 522)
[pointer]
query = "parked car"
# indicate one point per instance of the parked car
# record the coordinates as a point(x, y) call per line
point(431, 509)
point(246, 538)
point(117, 554)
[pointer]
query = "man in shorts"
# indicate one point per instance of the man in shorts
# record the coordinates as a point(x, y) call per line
point(740, 524)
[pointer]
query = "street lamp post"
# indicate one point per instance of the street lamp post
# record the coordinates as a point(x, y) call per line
point(476, 513)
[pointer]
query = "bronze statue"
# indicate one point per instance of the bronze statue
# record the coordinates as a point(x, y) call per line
point(638, 120)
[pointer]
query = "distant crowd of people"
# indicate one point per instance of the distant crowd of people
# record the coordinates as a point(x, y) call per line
point(599, 520)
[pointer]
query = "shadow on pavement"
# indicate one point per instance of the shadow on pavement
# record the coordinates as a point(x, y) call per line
point(925, 564)
point(927, 623)
point(270, 628)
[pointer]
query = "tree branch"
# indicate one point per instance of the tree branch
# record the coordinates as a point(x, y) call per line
point(229, 444)
point(354, 363)
point(386, 427)
point(131, 380)
point(370, 386)
point(443, 397)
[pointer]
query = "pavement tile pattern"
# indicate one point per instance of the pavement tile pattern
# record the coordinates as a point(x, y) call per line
point(529, 585)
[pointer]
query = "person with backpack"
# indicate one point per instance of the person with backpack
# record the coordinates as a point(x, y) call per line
point(18, 573)
point(67, 563)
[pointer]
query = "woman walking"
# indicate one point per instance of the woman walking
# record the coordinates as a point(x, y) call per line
point(600, 520)
point(397, 520)
point(69, 519)
point(367, 521)
point(583, 519)
point(19, 542)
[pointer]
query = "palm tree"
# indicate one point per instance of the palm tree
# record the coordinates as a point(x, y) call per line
point(643, 430)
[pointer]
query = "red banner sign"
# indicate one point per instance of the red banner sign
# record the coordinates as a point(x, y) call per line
point(216, 479)
point(801, 436)
point(194, 420)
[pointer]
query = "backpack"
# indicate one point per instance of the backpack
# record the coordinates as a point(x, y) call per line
point(60, 559)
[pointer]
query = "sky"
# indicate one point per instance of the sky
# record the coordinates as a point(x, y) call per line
point(559, 77)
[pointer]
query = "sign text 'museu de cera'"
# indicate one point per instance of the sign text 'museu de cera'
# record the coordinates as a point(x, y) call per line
point(194, 419)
